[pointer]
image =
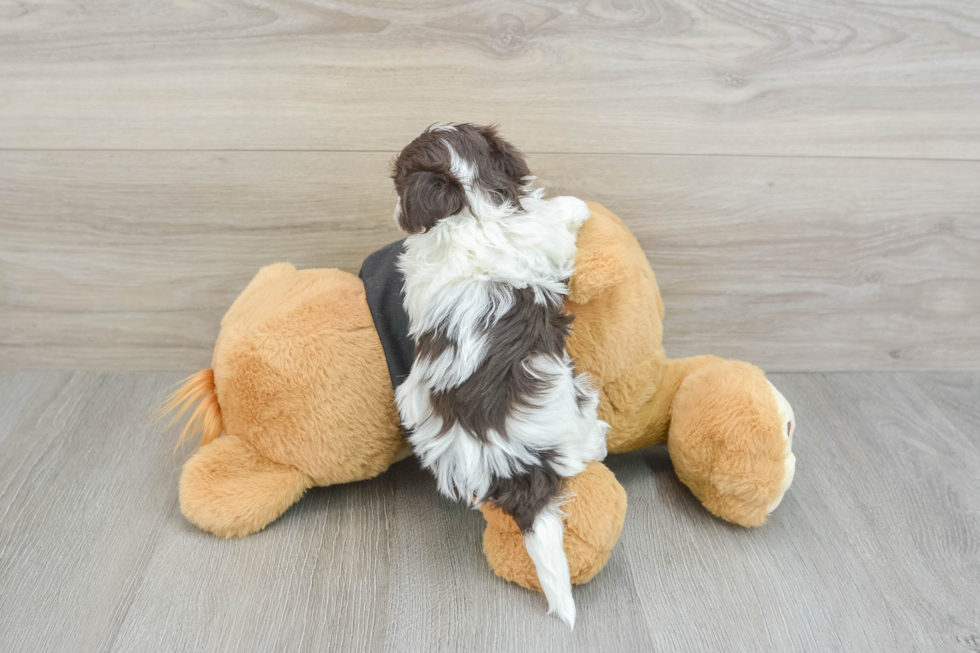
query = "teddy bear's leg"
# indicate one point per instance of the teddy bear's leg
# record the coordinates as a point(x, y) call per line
point(230, 490)
point(730, 440)
point(594, 515)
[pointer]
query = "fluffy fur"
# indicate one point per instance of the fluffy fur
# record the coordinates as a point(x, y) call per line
point(458, 279)
point(305, 399)
point(197, 389)
point(593, 519)
point(493, 405)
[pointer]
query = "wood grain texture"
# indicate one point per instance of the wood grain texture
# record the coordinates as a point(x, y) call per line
point(883, 78)
point(803, 264)
point(875, 548)
point(128, 260)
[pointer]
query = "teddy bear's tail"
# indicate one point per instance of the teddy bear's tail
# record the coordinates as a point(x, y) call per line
point(206, 418)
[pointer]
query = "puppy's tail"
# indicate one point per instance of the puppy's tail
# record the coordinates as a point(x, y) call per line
point(545, 544)
point(206, 418)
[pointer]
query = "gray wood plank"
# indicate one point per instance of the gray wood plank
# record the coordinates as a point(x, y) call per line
point(875, 547)
point(316, 580)
point(957, 395)
point(86, 484)
point(127, 260)
point(802, 264)
point(846, 78)
point(459, 604)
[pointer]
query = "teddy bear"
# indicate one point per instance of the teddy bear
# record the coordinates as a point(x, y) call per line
point(299, 395)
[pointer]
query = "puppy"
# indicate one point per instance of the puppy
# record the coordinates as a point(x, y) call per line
point(492, 405)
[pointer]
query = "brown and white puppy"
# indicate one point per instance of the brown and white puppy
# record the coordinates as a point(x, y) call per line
point(493, 405)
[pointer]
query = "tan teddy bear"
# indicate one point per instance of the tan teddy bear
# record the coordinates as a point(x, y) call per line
point(300, 396)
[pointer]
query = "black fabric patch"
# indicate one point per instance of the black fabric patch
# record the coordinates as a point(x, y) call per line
point(384, 285)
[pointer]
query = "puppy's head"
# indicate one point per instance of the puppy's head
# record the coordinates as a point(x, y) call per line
point(450, 168)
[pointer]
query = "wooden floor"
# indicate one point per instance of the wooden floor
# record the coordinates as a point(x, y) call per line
point(802, 175)
point(875, 548)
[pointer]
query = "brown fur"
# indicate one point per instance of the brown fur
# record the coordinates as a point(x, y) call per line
point(305, 399)
point(429, 191)
point(503, 383)
point(523, 495)
point(206, 418)
point(726, 442)
point(231, 490)
point(593, 521)
point(301, 379)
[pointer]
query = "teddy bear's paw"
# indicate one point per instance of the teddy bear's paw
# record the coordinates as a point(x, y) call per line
point(594, 512)
point(229, 489)
point(788, 428)
point(730, 440)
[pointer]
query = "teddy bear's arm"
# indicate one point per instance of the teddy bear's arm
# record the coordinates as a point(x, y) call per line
point(603, 258)
point(595, 274)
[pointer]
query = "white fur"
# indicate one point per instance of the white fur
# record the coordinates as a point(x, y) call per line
point(545, 545)
point(465, 467)
point(449, 268)
point(462, 169)
point(462, 273)
point(396, 216)
point(453, 275)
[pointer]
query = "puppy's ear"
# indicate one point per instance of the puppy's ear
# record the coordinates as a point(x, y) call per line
point(507, 158)
point(428, 197)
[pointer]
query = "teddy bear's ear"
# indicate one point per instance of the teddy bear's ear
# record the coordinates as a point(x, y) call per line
point(595, 274)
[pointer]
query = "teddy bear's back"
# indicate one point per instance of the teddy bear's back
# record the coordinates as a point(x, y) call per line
point(301, 376)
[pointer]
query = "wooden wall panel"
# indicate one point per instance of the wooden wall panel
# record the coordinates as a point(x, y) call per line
point(896, 79)
point(127, 260)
